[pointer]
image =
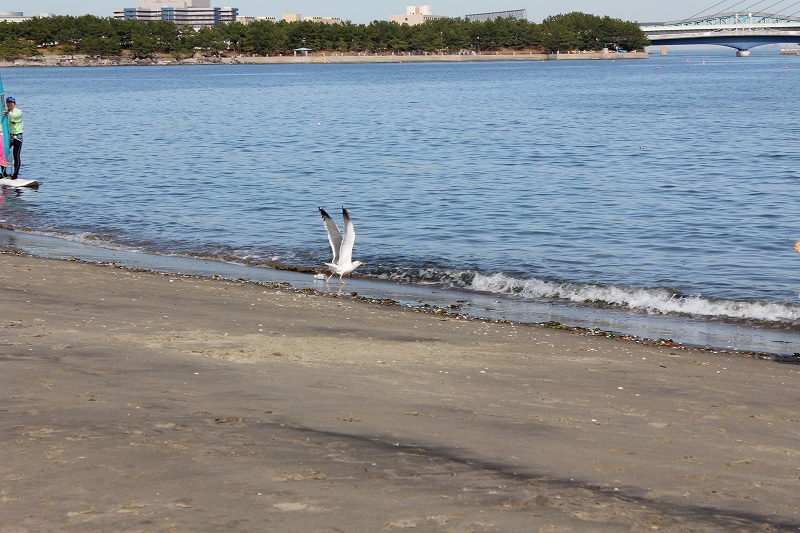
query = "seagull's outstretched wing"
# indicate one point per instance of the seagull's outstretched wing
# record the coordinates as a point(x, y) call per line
point(334, 237)
point(348, 240)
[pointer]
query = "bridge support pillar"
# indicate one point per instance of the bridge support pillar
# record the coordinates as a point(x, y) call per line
point(664, 49)
point(742, 53)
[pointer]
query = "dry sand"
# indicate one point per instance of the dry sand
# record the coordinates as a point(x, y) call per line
point(134, 401)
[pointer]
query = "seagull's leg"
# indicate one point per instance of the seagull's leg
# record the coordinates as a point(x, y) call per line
point(328, 279)
point(341, 278)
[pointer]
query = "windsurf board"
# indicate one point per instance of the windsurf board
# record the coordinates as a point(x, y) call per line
point(6, 182)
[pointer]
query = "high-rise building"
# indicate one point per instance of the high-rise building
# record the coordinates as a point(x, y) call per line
point(158, 4)
point(195, 13)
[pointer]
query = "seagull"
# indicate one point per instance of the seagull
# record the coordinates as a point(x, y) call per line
point(342, 245)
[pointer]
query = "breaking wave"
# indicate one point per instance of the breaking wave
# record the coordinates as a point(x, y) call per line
point(654, 301)
point(648, 300)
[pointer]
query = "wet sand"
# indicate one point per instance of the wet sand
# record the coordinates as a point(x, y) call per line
point(135, 401)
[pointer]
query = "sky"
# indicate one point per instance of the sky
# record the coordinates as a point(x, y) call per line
point(365, 11)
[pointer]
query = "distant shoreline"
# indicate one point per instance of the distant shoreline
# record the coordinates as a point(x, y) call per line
point(86, 61)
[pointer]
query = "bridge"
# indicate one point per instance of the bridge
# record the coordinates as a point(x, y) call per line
point(741, 31)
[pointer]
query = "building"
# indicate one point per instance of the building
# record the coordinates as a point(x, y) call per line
point(297, 17)
point(416, 15)
point(249, 19)
point(519, 14)
point(195, 13)
point(324, 20)
point(17, 16)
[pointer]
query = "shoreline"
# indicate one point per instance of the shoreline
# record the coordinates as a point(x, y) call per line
point(446, 312)
point(620, 323)
point(163, 401)
point(319, 58)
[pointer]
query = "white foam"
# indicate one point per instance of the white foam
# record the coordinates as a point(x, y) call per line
point(89, 239)
point(657, 301)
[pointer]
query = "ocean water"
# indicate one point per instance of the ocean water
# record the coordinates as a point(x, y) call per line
point(665, 191)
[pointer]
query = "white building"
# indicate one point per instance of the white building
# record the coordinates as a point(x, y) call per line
point(17, 16)
point(324, 20)
point(297, 17)
point(416, 15)
point(249, 19)
point(160, 4)
point(196, 13)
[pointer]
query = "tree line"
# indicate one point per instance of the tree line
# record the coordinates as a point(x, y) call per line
point(97, 36)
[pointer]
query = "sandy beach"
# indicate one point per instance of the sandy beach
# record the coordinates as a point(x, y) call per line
point(138, 401)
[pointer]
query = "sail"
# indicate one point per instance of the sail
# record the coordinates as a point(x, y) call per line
point(5, 153)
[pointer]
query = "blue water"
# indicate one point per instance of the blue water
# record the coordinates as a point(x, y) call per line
point(663, 188)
